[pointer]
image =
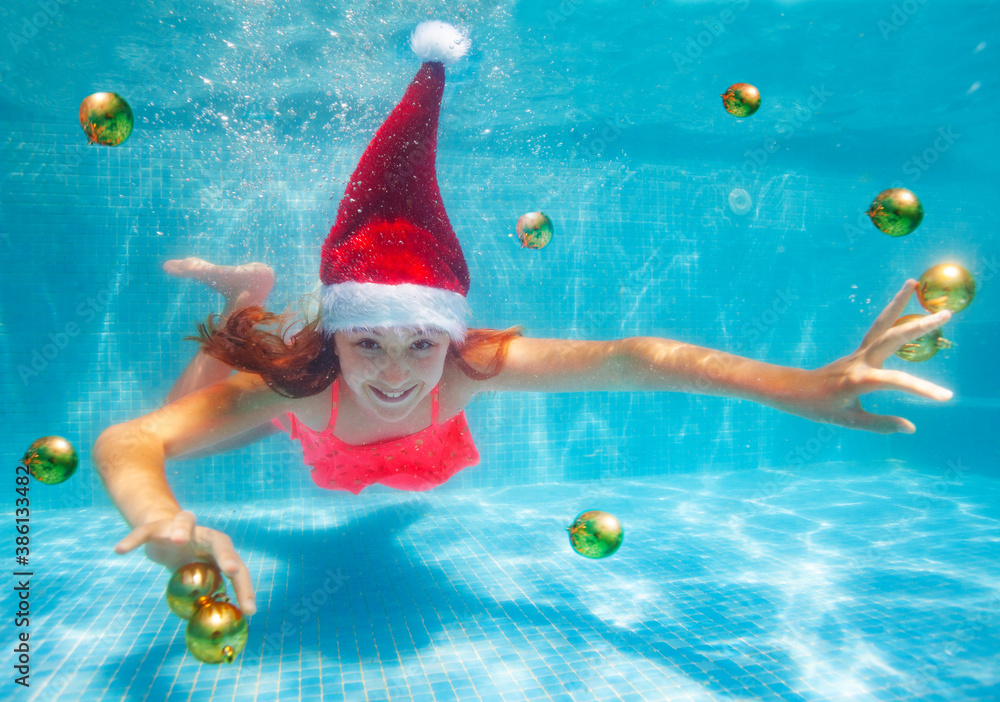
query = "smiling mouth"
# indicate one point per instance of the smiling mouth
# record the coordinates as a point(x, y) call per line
point(393, 396)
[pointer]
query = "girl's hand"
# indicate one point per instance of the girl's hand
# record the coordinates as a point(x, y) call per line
point(178, 541)
point(832, 392)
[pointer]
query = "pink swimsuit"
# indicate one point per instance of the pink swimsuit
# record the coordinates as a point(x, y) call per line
point(416, 462)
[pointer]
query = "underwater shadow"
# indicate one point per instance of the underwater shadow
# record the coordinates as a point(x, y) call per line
point(389, 604)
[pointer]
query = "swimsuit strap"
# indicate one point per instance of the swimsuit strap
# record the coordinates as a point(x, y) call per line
point(333, 409)
point(434, 406)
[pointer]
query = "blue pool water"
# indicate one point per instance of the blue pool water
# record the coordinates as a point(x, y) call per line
point(766, 557)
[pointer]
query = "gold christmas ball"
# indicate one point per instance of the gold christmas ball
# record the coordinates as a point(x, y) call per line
point(217, 633)
point(51, 459)
point(193, 586)
point(741, 99)
point(923, 348)
point(106, 118)
point(596, 534)
point(946, 286)
point(534, 230)
point(896, 211)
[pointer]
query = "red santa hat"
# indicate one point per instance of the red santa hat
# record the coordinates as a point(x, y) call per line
point(392, 258)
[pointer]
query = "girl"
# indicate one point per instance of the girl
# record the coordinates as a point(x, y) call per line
point(375, 387)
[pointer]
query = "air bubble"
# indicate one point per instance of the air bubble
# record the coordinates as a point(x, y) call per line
point(740, 201)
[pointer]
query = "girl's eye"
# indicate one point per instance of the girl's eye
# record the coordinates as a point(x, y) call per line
point(422, 345)
point(368, 344)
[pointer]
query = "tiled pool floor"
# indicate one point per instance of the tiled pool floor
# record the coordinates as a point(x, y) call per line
point(840, 583)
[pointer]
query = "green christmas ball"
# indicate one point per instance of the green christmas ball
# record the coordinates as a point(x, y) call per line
point(923, 348)
point(896, 211)
point(535, 230)
point(51, 459)
point(106, 118)
point(217, 633)
point(741, 99)
point(192, 586)
point(946, 286)
point(596, 534)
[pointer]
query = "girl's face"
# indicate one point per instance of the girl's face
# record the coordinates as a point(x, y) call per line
point(391, 370)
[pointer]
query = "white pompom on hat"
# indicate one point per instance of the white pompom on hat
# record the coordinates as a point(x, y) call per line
point(439, 41)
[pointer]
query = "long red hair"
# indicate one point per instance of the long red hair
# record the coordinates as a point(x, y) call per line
point(253, 340)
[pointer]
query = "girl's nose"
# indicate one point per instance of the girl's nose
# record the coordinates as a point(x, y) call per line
point(393, 372)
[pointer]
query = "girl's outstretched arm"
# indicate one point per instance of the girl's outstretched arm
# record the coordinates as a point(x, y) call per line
point(828, 394)
point(130, 459)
